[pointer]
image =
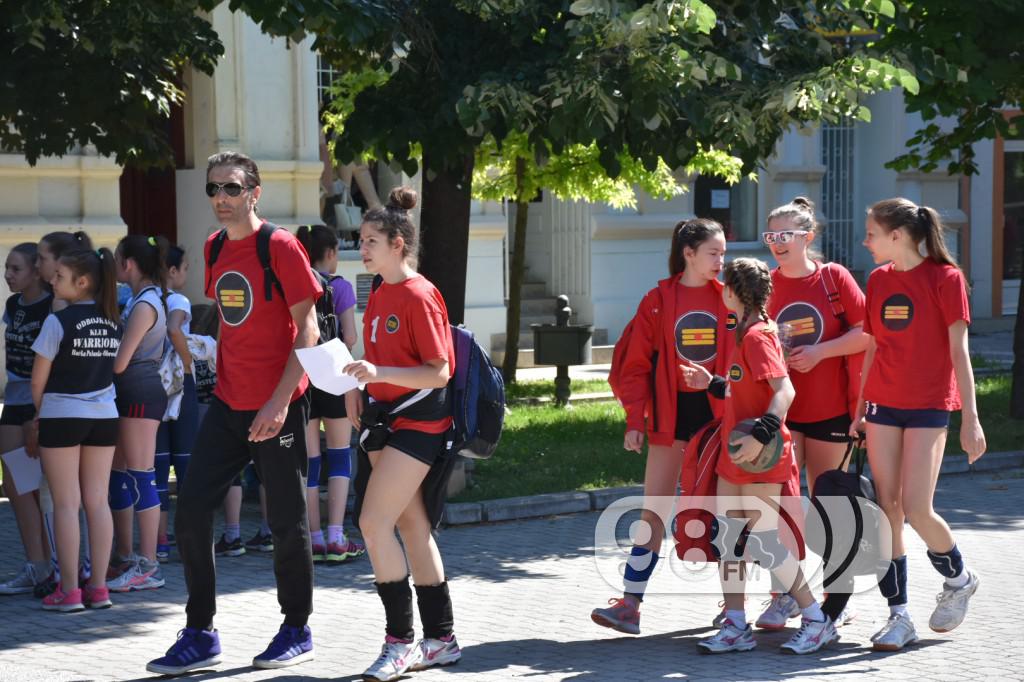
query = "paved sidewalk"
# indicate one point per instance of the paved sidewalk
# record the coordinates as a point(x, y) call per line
point(523, 592)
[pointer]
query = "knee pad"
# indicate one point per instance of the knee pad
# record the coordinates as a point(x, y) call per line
point(727, 534)
point(339, 463)
point(144, 491)
point(765, 548)
point(313, 474)
point(120, 491)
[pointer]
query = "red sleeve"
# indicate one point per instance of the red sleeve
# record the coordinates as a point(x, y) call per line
point(431, 335)
point(952, 292)
point(291, 265)
point(637, 365)
point(762, 353)
point(867, 306)
point(850, 296)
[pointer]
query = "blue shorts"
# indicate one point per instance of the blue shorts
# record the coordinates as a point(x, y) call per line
point(906, 419)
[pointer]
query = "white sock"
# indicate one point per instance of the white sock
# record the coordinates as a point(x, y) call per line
point(316, 537)
point(336, 535)
point(813, 612)
point(738, 617)
point(898, 609)
point(960, 580)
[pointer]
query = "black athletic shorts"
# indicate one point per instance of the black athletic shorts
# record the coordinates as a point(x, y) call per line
point(324, 405)
point(693, 411)
point(834, 430)
point(17, 415)
point(140, 394)
point(68, 432)
point(426, 447)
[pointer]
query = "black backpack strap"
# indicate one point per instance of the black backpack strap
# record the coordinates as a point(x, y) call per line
point(215, 246)
point(377, 281)
point(270, 280)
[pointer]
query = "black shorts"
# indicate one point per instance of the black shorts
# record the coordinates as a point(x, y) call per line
point(906, 419)
point(68, 432)
point(693, 411)
point(425, 447)
point(324, 405)
point(140, 395)
point(834, 430)
point(17, 415)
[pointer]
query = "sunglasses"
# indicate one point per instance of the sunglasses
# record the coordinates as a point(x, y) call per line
point(232, 189)
point(784, 237)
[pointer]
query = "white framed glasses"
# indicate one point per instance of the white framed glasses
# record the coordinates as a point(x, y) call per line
point(783, 237)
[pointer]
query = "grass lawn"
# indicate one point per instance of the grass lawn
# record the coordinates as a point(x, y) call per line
point(545, 449)
point(546, 389)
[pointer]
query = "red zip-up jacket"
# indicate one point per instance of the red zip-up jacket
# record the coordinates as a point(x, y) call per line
point(649, 379)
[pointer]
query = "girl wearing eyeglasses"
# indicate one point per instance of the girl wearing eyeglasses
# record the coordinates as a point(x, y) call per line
point(820, 312)
point(683, 318)
point(916, 372)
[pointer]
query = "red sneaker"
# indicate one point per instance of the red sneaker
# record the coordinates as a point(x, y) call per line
point(96, 597)
point(66, 603)
point(621, 616)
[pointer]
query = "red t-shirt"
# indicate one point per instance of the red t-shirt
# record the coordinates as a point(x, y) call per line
point(757, 359)
point(909, 314)
point(257, 336)
point(696, 327)
point(406, 325)
point(803, 303)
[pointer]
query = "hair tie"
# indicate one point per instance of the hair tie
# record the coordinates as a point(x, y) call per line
point(99, 254)
point(152, 241)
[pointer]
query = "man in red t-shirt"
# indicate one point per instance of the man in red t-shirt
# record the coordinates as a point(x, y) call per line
point(259, 414)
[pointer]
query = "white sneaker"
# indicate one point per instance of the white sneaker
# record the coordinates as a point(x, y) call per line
point(951, 605)
point(812, 635)
point(23, 583)
point(396, 658)
point(897, 632)
point(730, 638)
point(142, 575)
point(846, 616)
point(437, 652)
point(780, 609)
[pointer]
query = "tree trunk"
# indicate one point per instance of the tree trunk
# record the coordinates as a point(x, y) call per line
point(1017, 386)
point(517, 272)
point(444, 232)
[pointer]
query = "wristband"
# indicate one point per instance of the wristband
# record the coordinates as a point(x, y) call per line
point(765, 428)
point(717, 387)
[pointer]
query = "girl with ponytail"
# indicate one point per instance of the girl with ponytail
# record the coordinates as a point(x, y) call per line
point(683, 318)
point(916, 372)
point(758, 389)
point(76, 422)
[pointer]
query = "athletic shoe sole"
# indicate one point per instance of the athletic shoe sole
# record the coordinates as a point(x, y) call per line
point(739, 647)
point(893, 647)
point(148, 585)
point(627, 628)
point(787, 650)
point(180, 670)
point(274, 664)
point(444, 663)
point(64, 608)
point(232, 552)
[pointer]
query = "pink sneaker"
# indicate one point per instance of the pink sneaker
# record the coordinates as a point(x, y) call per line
point(350, 549)
point(96, 597)
point(65, 603)
point(319, 553)
point(621, 616)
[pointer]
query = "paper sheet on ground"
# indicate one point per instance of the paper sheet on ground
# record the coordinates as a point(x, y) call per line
point(25, 470)
point(323, 364)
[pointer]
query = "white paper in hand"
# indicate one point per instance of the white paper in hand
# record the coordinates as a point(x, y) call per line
point(324, 363)
point(26, 471)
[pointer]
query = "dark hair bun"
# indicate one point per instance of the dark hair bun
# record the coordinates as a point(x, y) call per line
point(804, 202)
point(403, 198)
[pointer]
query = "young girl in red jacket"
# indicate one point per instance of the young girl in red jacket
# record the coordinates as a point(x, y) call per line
point(682, 318)
point(917, 370)
point(756, 387)
point(821, 333)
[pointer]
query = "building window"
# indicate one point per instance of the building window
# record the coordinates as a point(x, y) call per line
point(734, 206)
point(325, 75)
point(837, 155)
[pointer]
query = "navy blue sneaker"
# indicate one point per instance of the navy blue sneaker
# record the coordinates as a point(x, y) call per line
point(290, 646)
point(194, 649)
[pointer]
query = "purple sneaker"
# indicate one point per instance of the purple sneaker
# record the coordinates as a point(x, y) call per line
point(194, 649)
point(290, 646)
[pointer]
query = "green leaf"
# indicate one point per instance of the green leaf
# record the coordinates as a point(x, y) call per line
point(864, 114)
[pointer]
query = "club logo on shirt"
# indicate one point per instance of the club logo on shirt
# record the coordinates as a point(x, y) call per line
point(731, 321)
point(696, 336)
point(897, 312)
point(234, 296)
point(804, 322)
point(735, 373)
point(391, 324)
point(19, 317)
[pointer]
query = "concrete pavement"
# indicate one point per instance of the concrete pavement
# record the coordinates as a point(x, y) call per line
point(523, 592)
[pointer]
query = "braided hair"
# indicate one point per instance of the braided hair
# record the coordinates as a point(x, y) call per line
point(751, 282)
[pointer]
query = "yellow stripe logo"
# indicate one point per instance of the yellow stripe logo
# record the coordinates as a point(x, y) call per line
point(804, 325)
point(698, 337)
point(897, 312)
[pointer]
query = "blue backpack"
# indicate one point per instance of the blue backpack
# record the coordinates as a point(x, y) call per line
point(478, 398)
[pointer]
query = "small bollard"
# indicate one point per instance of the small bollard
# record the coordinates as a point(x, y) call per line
point(562, 344)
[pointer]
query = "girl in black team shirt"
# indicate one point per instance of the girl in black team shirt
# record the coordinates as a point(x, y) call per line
point(408, 359)
point(24, 313)
point(76, 423)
